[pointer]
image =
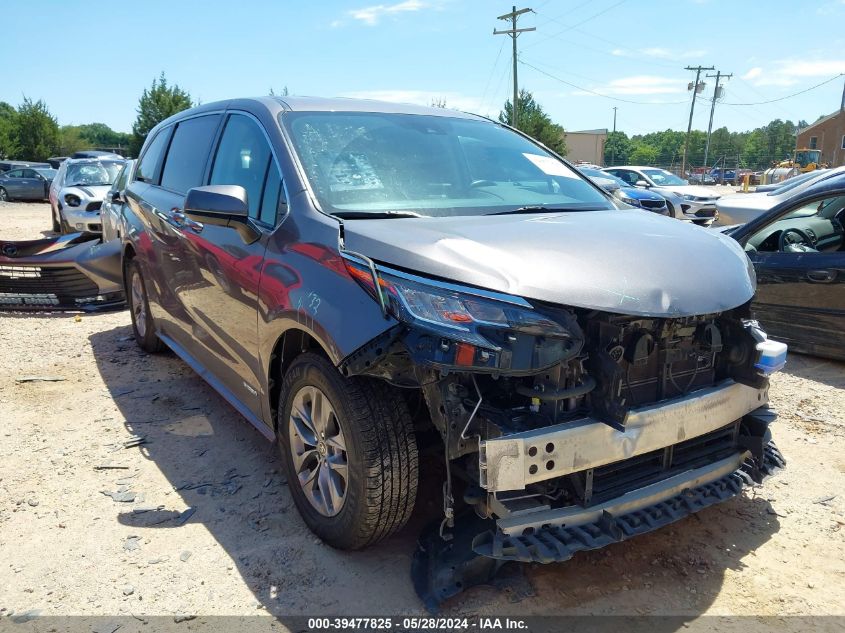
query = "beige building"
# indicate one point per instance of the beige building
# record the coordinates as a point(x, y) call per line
point(586, 146)
point(828, 135)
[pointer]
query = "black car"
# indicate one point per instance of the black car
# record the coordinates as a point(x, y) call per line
point(370, 283)
point(798, 251)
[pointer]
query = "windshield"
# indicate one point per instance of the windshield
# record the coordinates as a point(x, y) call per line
point(661, 177)
point(361, 163)
point(91, 174)
point(595, 173)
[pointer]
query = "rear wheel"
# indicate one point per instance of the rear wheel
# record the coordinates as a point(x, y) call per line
point(143, 325)
point(349, 453)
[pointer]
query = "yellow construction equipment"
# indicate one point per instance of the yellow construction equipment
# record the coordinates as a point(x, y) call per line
point(802, 161)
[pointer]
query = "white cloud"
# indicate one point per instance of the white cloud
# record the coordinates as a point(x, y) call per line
point(642, 85)
point(658, 52)
point(372, 15)
point(788, 72)
point(753, 73)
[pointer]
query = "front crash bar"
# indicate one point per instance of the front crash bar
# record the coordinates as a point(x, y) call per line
point(513, 461)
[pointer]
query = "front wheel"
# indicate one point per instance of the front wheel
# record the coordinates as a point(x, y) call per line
point(4, 196)
point(143, 326)
point(57, 225)
point(349, 453)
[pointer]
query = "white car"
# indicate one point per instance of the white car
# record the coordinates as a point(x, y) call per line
point(77, 192)
point(114, 203)
point(744, 207)
point(698, 203)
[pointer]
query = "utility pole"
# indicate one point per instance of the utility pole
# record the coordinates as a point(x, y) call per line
point(514, 33)
point(613, 147)
point(696, 88)
point(716, 95)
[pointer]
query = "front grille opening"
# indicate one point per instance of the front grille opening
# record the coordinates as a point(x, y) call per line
point(612, 480)
point(29, 287)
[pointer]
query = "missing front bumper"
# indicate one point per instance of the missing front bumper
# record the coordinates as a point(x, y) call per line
point(549, 539)
point(514, 461)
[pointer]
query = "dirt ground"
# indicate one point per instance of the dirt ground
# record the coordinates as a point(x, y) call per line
point(197, 518)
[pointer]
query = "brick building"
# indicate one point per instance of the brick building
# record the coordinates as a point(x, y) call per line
point(828, 135)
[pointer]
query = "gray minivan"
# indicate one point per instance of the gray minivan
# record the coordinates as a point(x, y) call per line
point(368, 283)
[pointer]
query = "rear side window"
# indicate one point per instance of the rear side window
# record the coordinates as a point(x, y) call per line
point(244, 158)
point(184, 166)
point(148, 167)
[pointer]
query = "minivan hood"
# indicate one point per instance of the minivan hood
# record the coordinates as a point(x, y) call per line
point(628, 262)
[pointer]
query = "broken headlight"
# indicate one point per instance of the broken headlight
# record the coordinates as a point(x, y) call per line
point(468, 327)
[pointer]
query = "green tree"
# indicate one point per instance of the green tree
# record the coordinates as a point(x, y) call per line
point(8, 126)
point(617, 149)
point(643, 154)
point(71, 140)
point(36, 130)
point(535, 122)
point(155, 105)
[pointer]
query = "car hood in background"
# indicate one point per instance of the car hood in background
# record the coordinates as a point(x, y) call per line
point(692, 190)
point(756, 201)
point(640, 194)
point(94, 192)
point(624, 262)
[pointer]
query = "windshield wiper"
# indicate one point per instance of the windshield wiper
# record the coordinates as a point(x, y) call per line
point(542, 209)
point(375, 215)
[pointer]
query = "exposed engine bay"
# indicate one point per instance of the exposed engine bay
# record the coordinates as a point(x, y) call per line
point(555, 418)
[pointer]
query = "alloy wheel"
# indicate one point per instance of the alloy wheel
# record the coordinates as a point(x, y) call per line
point(318, 448)
point(139, 306)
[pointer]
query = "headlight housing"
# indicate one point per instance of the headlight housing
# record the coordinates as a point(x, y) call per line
point(460, 326)
point(688, 196)
point(72, 200)
point(620, 195)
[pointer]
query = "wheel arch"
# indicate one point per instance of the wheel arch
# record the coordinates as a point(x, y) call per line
point(290, 344)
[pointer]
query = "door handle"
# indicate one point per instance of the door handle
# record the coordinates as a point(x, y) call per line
point(821, 276)
point(180, 219)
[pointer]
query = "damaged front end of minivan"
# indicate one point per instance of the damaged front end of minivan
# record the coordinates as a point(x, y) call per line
point(568, 428)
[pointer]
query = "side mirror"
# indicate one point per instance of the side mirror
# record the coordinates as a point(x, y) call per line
point(116, 197)
point(641, 183)
point(218, 200)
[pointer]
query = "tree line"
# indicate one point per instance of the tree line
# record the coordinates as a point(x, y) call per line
point(31, 132)
point(754, 149)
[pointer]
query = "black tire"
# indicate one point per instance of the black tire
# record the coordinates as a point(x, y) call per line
point(57, 225)
point(4, 196)
point(144, 330)
point(381, 453)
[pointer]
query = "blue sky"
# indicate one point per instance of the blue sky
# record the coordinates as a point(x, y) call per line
point(90, 60)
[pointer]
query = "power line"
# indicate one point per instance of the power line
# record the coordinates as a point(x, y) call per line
point(794, 94)
point(577, 24)
point(598, 94)
point(492, 72)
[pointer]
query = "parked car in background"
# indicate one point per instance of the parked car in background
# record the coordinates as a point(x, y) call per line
point(96, 153)
point(77, 193)
point(640, 198)
point(56, 161)
point(789, 181)
point(114, 203)
point(699, 203)
point(6, 165)
point(28, 183)
point(744, 207)
point(798, 252)
point(402, 265)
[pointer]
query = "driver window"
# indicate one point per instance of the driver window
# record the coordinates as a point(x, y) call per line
point(814, 227)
